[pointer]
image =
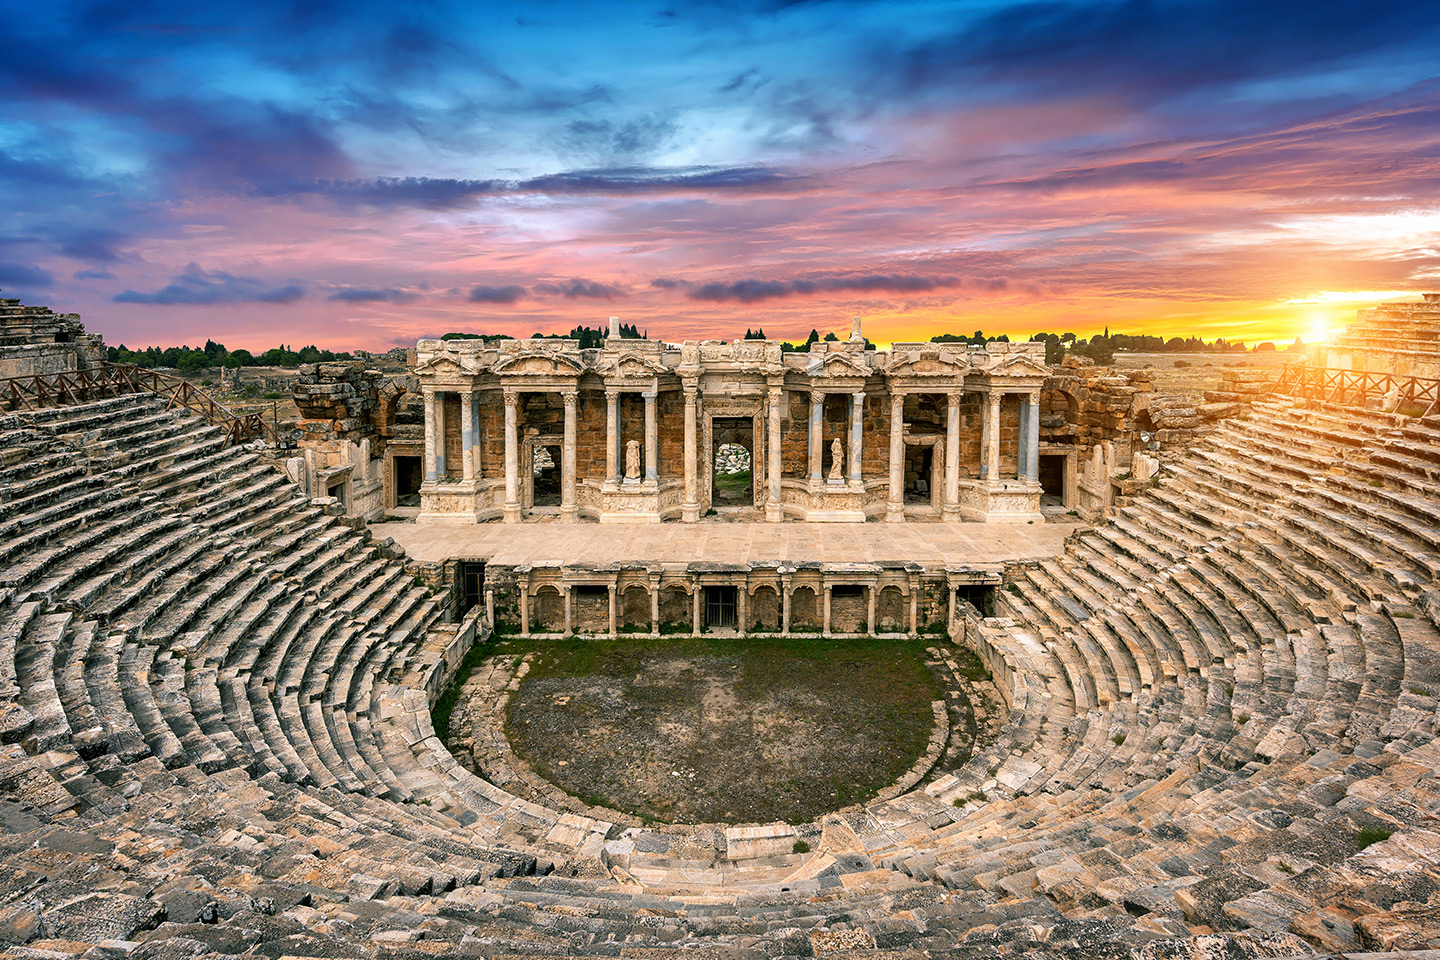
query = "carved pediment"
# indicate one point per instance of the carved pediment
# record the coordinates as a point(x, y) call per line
point(837, 365)
point(632, 365)
point(1018, 365)
point(449, 364)
point(537, 363)
point(927, 363)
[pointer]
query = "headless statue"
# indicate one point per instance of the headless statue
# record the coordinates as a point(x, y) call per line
point(837, 460)
point(632, 460)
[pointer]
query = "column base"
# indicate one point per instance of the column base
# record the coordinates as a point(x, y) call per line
point(774, 512)
point(512, 513)
point(951, 512)
point(894, 512)
point(569, 514)
point(689, 512)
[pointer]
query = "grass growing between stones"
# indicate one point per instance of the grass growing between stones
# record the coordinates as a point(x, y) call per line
point(736, 730)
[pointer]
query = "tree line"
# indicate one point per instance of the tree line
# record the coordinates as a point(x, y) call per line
point(188, 359)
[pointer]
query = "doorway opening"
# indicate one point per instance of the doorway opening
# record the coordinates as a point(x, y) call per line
point(980, 596)
point(732, 478)
point(1052, 479)
point(471, 577)
point(545, 477)
point(919, 475)
point(407, 480)
point(720, 608)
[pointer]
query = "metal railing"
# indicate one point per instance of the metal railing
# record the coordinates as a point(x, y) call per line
point(107, 380)
point(1357, 386)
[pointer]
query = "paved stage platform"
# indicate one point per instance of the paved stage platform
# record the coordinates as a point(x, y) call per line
point(933, 545)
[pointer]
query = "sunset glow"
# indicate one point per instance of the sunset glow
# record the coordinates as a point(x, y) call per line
point(362, 175)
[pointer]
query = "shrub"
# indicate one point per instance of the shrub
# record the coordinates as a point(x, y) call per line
point(1369, 835)
point(800, 847)
point(1118, 739)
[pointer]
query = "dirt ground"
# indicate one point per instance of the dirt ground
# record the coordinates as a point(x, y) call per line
point(714, 730)
point(1197, 372)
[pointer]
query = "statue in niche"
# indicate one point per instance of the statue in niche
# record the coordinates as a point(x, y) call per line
point(837, 461)
point(632, 460)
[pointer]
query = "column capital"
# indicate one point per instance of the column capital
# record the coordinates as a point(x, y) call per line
point(817, 396)
point(650, 395)
point(612, 394)
point(570, 397)
point(858, 397)
point(897, 398)
point(692, 390)
point(512, 396)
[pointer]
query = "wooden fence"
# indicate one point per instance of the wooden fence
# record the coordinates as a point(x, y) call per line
point(1356, 386)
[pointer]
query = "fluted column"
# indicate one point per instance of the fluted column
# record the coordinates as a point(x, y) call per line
point(690, 509)
point(431, 475)
point(1032, 437)
point(652, 459)
point(774, 512)
point(952, 456)
point(857, 433)
point(512, 461)
point(612, 435)
point(467, 436)
point(991, 438)
point(439, 435)
point(895, 499)
point(567, 458)
point(817, 415)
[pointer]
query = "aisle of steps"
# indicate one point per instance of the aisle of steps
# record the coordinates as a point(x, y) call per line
point(214, 693)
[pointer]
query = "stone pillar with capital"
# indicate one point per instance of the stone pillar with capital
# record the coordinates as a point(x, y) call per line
point(742, 609)
point(785, 591)
point(569, 617)
point(655, 604)
point(476, 465)
point(991, 436)
point(652, 471)
point(774, 512)
point(431, 475)
point(951, 508)
point(895, 499)
point(695, 597)
point(612, 436)
point(512, 459)
point(870, 610)
point(439, 435)
point(525, 607)
point(690, 508)
point(914, 605)
point(568, 509)
point(1032, 438)
point(612, 589)
point(825, 616)
point(857, 433)
point(817, 414)
point(467, 436)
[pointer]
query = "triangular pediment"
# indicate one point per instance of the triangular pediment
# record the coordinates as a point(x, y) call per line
point(927, 364)
point(537, 363)
point(837, 365)
point(1018, 365)
point(447, 364)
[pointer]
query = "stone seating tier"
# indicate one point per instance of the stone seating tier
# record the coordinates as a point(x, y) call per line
point(215, 684)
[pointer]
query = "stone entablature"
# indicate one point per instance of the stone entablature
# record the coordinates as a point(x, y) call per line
point(782, 598)
point(837, 434)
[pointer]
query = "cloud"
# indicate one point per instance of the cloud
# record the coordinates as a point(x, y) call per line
point(669, 283)
point(579, 289)
point(751, 290)
point(24, 275)
point(96, 245)
point(373, 295)
point(439, 193)
point(506, 294)
point(95, 275)
point(199, 286)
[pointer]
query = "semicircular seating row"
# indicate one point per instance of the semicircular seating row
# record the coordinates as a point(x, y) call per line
point(210, 682)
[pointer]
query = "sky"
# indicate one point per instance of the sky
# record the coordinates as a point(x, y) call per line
point(361, 175)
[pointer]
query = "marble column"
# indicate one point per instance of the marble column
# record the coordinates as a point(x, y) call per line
point(857, 434)
point(742, 609)
point(467, 436)
point(655, 605)
point(568, 510)
point(512, 462)
point(774, 512)
point(690, 509)
point(439, 435)
point(1032, 437)
point(952, 456)
point(612, 589)
point(785, 592)
point(950, 622)
point(870, 610)
point(569, 620)
point(524, 609)
point(1022, 445)
point(612, 435)
point(825, 617)
point(696, 598)
point(477, 465)
point(430, 474)
point(914, 607)
point(652, 458)
point(990, 436)
point(895, 499)
point(817, 433)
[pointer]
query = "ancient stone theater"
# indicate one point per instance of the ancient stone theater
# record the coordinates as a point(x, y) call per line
point(1184, 647)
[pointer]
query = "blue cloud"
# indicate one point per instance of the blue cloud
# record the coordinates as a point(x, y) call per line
point(198, 286)
point(505, 294)
point(94, 275)
point(373, 295)
point(24, 275)
point(579, 289)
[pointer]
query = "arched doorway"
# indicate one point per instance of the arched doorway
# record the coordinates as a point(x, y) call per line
point(732, 478)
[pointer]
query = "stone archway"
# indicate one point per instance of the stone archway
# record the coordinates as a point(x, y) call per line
point(635, 609)
point(547, 610)
point(891, 612)
point(764, 610)
point(804, 610)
